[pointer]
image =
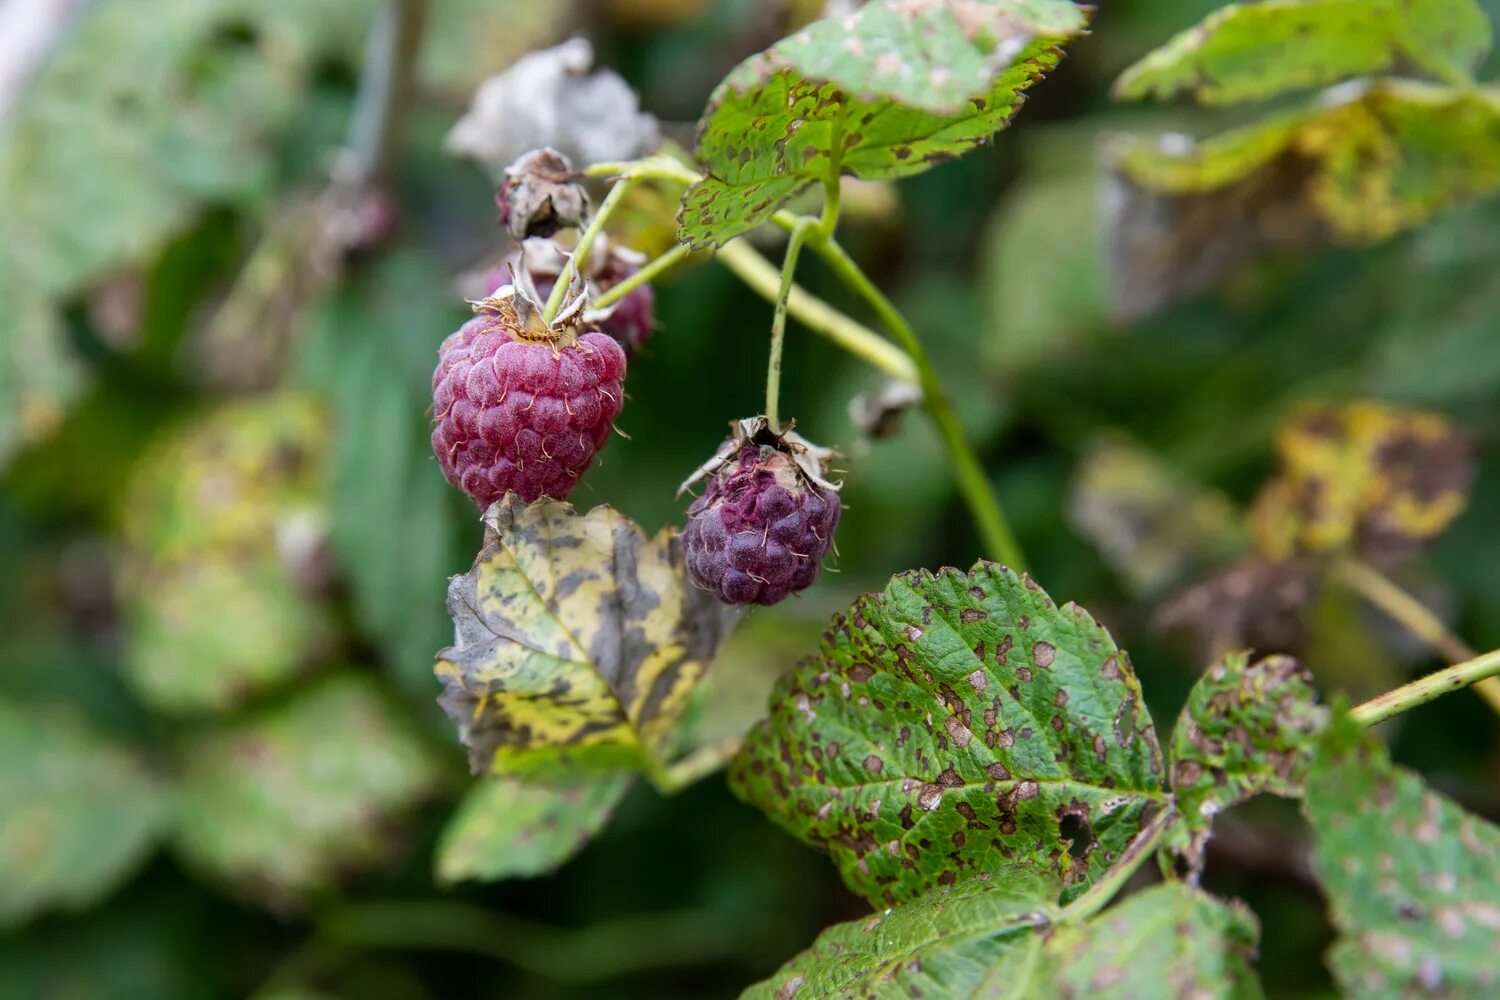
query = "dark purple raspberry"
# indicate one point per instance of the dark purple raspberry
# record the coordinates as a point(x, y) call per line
point(520, 411)
point(630, 321)
point(764, 522)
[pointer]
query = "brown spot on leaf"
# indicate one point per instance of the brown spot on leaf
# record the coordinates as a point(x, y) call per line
point(1043, 653)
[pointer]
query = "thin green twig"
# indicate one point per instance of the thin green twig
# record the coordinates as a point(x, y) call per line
point(1423, 690)
point(647, 272)
point(579, 258)
point(778, 323)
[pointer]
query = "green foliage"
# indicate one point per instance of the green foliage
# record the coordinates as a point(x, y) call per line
point(80, 813)
point(223, 528)
point(888, 91)
point(954, 725)
point(1249, 52)
point(1246, 729)
point(508, 828)
point(578, 642)
point(1411, 878)
point(311, 784)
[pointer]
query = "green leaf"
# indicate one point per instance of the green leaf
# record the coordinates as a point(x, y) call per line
point(1249, 52)
point(953, 725)
point(1379, 159)
point(509, 828)
point(1411, 878)
point(80, 813)
point(377, 340)
point(281, 804)
point(963, 941)
point(888, 91)
point(578, 641)
point(1247, 729)
point(223, 531)
point(39, 373)
point(1169, 941)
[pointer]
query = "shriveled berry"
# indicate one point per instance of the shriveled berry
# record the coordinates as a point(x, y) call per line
point(765, 520)
point(630, 321)
point(522, 414)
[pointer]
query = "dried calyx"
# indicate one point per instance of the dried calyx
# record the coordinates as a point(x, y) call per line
point(540, 194)
point(520, 310)
point(810, 460)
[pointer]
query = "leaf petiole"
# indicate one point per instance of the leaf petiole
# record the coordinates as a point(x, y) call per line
point(1425, 689)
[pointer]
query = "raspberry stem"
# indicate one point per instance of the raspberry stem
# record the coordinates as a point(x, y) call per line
point(778, 321)
point(995, 529)
point(1421, 691)
point(647, 272)
point(580, 254)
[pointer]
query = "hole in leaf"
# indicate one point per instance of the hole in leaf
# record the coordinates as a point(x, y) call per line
point(1075, 829)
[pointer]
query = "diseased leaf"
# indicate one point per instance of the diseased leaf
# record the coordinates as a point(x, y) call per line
point(887, 91)
point(223, 538)
point(1413, 881)
point(1153, 525)
point(951, 942)
point(77, 812)
point(578, 640)
point(1383, 482)
point(1247, 729)
point(508, 828)
point(1369, 162)
point(953, 725)
point(281, 804)
point(1249, 52)
point(1169, 941)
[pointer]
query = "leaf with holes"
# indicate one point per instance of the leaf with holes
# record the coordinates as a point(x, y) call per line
point(1247, 729)
point(963, 941)
point(509, 828)
point(1413, 881)
point(1381, 481)
point(1249, 52)
point(578, 641)
point(1170, 940)
point(953, 725)
point(888, 91)
point(1370, 161)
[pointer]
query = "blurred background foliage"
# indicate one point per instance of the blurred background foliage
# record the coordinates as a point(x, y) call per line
point(224, 544)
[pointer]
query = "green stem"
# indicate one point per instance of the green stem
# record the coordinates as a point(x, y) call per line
point(654, 168)
point(1420, 692)
point(761, 276)
point(647, 272)
point(999, 540)
point(1375, 587)
point(778, 324)
point(580, 255)
point(1097, 896)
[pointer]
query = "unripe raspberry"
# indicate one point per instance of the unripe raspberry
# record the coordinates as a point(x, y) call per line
point(629, 321)
point(520, 406)
point(766, 517)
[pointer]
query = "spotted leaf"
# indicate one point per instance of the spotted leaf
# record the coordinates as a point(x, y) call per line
point(888, 91)
point(1413, 881)
point(953, 725)
point(1247, 728)
point(507, 828)
point(1383, 482)
point(1168, 941)
point(1368, 161)
point(578, 638)
point(1249, 52)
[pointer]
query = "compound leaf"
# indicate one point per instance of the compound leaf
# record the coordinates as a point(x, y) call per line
point(311, 785)
point(1247, 728)
point(1358, 168)
point(509, 828)
point(888, 91)
point(577, 638)
point(1168, 941)
point(1413, 881)
point(953, 725)
point(950, 942)
point(1381, 481)
point(80, 813)
point(1249, 52)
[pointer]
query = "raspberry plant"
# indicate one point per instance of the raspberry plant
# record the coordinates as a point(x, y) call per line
point(977, 760)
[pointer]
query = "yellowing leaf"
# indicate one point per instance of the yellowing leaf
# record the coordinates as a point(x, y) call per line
point(577, 637)
point(1383, 482)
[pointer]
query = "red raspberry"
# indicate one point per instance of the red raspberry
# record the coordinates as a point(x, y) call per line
point(630, 321)
point(766, 519)
point(521, 407)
